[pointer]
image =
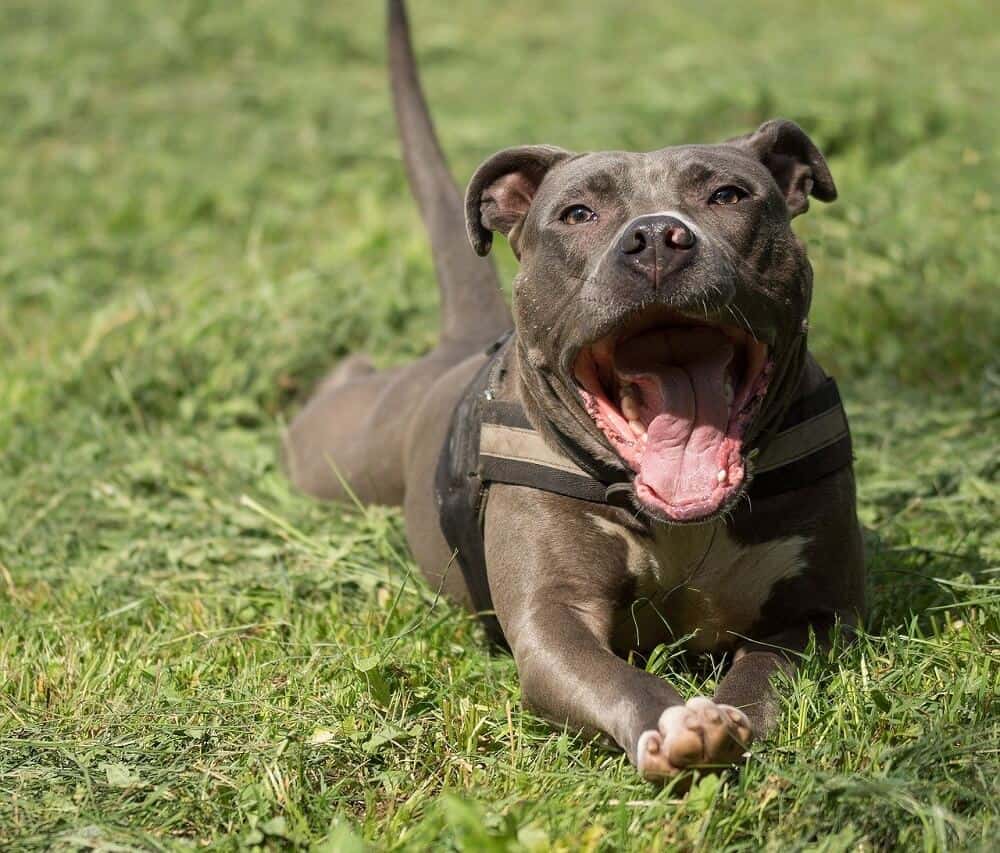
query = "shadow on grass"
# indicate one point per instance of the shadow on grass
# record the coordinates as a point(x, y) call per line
point(907, 583)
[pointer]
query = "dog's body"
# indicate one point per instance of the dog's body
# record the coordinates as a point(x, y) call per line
point(660, 325)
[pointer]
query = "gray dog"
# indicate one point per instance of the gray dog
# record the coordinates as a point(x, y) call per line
point(646, 453)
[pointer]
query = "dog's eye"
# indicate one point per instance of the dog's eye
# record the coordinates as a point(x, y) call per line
point(728, 195)
point(577, 214)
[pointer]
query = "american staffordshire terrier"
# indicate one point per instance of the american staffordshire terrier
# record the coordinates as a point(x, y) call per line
point(646, 453)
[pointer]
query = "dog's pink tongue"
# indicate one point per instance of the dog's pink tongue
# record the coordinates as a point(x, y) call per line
point(684, 407)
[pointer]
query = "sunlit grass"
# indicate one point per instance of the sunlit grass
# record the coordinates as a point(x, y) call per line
point(204, 207)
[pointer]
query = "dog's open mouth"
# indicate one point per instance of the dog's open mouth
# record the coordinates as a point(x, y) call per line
point(675, 400)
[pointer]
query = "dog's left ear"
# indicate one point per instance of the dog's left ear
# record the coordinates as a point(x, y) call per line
point(796, 163)
point(501, 191)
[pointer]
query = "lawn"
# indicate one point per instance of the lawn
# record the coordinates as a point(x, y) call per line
point(204, 207)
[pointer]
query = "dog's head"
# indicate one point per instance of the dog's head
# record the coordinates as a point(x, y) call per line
point(661, 299)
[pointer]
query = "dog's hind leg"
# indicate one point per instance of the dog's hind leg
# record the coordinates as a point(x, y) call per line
point(349, 440)
point(353, 366)
point(336, 448)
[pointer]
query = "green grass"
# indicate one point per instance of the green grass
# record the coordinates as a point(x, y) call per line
point(203, 207)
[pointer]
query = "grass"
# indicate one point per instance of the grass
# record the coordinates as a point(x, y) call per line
point(204, 208)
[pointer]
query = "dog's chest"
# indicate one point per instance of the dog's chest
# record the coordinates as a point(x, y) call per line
point(698, 583)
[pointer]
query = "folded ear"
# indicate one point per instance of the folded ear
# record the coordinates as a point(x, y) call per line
point(796, 163)
point(501, 191)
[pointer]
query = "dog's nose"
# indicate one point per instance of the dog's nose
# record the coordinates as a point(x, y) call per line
point(649, 233)
point(656, 246)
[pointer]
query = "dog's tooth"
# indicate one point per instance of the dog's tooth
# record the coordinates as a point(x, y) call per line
point(721, 476)
point(638, 430)
point(630, 406)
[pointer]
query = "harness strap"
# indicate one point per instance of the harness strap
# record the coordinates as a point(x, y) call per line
point(814, 440)
point(511, 451)
point(461, 490)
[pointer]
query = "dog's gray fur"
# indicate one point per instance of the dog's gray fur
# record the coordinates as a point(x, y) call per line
point(578, 586)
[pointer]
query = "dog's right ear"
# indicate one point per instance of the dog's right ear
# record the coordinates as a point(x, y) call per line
point(501, 191)
point(795, 162)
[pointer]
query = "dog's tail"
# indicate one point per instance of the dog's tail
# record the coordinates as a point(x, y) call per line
point(472, 307)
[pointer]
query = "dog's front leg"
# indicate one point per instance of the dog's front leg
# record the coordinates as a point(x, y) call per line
point(556, 598)
point(750, 683)
point(570, 675)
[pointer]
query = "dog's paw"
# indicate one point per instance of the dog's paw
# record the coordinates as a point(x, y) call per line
point(697, 734)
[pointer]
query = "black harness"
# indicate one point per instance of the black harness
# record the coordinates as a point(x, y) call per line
point(491, 441)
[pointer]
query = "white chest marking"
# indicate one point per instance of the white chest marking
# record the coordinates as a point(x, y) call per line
point(700, 580)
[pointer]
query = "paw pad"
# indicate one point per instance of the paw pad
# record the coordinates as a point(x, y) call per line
point(699, 733)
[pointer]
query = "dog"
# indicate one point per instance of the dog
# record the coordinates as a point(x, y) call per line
point(644, 453)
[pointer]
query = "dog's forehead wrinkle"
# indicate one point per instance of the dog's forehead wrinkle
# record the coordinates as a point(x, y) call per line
point(647, 181)
point(693, 164)
point(631, 172)
point(609, 167)
point(602, 184)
